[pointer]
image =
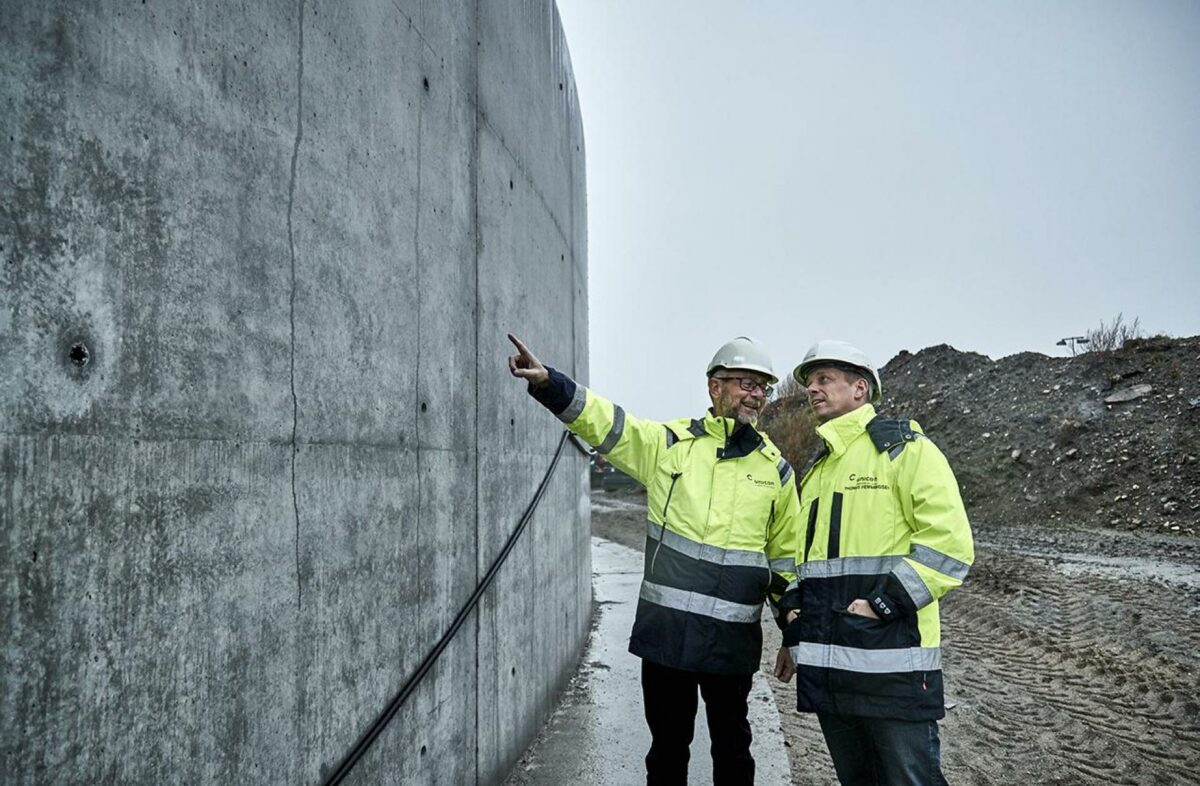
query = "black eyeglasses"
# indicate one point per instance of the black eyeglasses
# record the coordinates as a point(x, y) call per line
point(749, 384)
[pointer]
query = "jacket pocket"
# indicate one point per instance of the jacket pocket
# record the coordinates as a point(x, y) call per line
point(867, 633)
point(876, 667)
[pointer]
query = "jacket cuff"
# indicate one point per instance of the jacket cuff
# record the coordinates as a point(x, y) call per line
point(791, 599)
point(884, 606)
point(791, 633)
point(557, 394)
point(890, 601)
point(778, 586)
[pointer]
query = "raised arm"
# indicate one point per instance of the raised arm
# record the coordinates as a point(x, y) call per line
point(630, 443)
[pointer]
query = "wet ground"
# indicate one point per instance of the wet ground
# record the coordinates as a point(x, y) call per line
point(1072, 656)
point(597, 736)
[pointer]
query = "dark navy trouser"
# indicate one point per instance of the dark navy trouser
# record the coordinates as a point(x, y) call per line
point(669, 697)
point(883, 751)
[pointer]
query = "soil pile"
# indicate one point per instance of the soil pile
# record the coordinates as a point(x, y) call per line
point(1109, 439)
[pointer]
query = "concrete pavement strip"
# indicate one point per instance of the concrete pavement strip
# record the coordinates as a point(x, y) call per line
point(598, 734)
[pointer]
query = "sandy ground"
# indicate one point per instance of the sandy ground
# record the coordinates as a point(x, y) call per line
point(1071, 656)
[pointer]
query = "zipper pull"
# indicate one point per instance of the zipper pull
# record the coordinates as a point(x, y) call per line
point(662, 530)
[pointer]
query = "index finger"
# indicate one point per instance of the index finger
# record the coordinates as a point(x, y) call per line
point(517, 343)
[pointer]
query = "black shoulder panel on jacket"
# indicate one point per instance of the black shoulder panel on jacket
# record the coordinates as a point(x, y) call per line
point(890, 433)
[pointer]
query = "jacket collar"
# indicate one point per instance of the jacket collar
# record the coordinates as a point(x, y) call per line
point(738, 439)
point(844, 429)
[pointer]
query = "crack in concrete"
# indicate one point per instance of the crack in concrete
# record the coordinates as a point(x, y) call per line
point(478, 615)
point(417, 366)
point(413, 26)
point(292, 298)
point(520, 165)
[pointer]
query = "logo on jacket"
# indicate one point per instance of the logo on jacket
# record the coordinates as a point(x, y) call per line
point(760, 483)
point(865, 483)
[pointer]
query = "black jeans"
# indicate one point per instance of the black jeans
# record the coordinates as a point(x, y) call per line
point(669, 696)
point(883, 752)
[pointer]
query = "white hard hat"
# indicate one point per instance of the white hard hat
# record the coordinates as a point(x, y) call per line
point(839, 353)
point(743, 352)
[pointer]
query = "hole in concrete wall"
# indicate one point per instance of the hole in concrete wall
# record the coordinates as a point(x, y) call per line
point(514, 671)
point(424, 406)
point(513, 421)
point(422, 750)
point(35, 555)
point(425, 83)
point(510, 185)
point(560, 88)
point(79, 354)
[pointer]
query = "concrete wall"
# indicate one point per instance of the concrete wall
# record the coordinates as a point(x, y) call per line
point(257, 436)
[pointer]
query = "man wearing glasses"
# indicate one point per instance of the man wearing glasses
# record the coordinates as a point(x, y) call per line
point(721, 538)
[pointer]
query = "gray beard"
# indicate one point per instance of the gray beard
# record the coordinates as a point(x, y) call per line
point(737, 417)
point(748, 420)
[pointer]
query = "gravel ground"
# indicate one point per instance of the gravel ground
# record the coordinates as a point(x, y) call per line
point(1072, 656)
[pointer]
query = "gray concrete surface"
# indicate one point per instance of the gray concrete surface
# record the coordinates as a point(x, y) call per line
point(598, 735)
point(258, 441)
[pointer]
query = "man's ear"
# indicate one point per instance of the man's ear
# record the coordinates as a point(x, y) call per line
point(714, 385)
point(863, 387)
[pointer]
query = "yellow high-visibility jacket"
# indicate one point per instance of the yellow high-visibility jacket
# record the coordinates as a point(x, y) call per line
point(885, 523)
point(722, 532)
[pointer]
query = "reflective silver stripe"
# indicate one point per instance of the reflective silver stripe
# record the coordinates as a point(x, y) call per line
point(783, 565)
point(907, 576)
point(785, 471)
point(795, 584)
point(940, 562)
point(701, 551)
point(848, 566)
point(614, 434)
point(704, 605)
point(575, 408)
point(833, 656)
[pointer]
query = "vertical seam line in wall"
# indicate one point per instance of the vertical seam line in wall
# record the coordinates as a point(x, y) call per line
point(417, 408)
point(571, 218)
point(478, 322)
point(292, 297)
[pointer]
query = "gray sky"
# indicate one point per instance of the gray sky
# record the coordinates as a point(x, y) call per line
point(991, 175)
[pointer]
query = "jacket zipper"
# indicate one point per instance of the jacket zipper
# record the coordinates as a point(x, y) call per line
point(766, 542)
point(662, 530)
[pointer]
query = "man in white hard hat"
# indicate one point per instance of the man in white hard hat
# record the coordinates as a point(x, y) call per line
point(721, 540)
point(886, 536)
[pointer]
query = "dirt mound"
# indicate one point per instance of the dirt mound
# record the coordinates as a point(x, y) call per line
point(1106, 439)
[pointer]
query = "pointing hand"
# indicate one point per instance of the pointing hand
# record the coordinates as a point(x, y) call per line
point(525, 365)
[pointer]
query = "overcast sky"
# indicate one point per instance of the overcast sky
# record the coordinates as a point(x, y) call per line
point(991, 175)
